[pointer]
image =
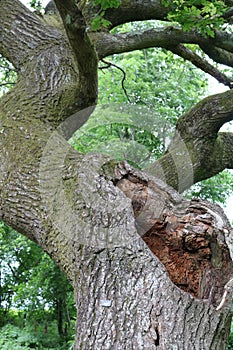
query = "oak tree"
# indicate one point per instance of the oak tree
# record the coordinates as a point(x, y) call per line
point(150, 270)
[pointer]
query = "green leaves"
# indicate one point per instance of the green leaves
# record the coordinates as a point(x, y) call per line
point(99, 20)
point(205, 16)
point(160, 87)
point(217, 189)
point(8, 75)
point(30, 280)
point(106, 4)
point(36, 4)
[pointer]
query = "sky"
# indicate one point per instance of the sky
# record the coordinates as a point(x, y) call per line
point(214, 88)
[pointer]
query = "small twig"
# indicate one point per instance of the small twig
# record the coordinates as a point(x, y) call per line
point(4, 84)
point(105, 67)
point(109, 64)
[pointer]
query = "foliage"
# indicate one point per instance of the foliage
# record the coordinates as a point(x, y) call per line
point(8, 75)
point(120, 132)
point(160, 88)
point(205, 16)
point(36, 5)
point(16, 260)
point(12, 338)
point(30, 281)
point(217, 189)
point(141, 129)
point(99, 20)
point(15, 338)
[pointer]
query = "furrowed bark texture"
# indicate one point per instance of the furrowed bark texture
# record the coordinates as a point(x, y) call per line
point(126, 301)
point(93, 215)
point(198, 150)
point(124, 293)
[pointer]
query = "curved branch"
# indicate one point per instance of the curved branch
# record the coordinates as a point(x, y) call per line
point(224, 150)
point(198, 151)
point(21, 32)
point(108, 44)
point(165, 37)
point(83, 49)
point(136, 11)
point(168, 38)
point(128, 11)
point(207, 117)
point(75, 27)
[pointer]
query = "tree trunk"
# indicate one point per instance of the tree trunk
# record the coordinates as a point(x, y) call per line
point(93, 215)
point(125, 300)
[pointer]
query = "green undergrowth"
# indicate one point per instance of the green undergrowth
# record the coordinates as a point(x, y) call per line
point(13, 337)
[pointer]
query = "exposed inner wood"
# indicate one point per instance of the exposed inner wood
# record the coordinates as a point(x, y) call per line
point(185, 239)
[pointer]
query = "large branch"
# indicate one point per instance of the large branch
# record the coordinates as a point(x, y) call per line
point(202, 63)
point(165, 36)
point(168, 38)
point(21, 32)
point(198, 151)
point(83, 49)
point(109, 44)
point(128, 11)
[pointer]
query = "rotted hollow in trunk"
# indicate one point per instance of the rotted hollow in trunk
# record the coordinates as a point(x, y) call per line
point(184, 238)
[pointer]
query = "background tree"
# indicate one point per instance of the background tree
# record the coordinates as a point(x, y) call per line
point(34, 286)
point(149, 78)
point(87, 211)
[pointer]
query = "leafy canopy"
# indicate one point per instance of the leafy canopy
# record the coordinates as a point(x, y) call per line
point(205, 16)
point(99, 20)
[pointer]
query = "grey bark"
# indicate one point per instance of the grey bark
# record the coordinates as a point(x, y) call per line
point(91, 214)
point(127, 301)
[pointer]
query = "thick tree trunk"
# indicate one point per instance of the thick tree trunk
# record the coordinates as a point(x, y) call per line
point(125, 300)
point(93, 215)
point(125, 296)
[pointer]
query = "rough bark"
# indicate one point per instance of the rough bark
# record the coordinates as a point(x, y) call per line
point(198, 149)
point(93, 215)
point(163, 36)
